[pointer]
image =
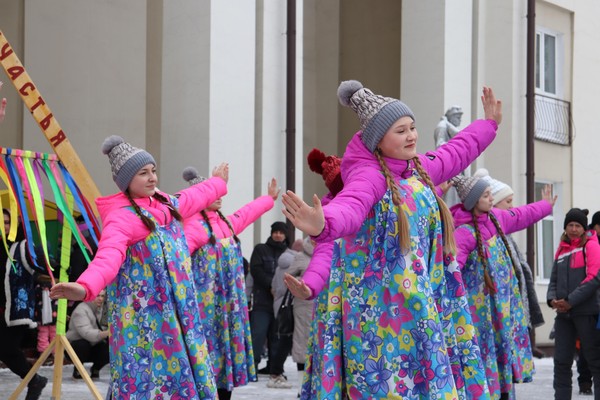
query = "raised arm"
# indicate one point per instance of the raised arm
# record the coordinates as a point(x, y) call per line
point(255, 209)
point(199, 196)
point(105, 266)
point(459, 152)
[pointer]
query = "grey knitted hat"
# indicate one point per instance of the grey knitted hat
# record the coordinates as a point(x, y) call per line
point(376, 113)
point(190, 175)
point(470, 188)
point(125, 160)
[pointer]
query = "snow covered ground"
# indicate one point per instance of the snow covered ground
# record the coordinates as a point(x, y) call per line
point(72, 389)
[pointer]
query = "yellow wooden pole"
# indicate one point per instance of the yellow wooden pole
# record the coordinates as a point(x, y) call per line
point(46, 121)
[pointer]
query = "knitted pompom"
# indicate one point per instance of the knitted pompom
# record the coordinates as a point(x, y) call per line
point(346, 90)
point(190, 173)
point(315, 160)
point(481, 172)
point(111, 142)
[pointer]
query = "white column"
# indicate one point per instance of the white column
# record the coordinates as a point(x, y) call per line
point(436, 62)
point(232, 100)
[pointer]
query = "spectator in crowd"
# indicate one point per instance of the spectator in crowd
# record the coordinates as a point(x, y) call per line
point(284, 342)
point(87, 337)
point(17, 302)
point(263, 263)
point(573, 294)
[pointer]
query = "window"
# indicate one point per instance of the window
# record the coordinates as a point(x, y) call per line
point(548, 55)
point(547, 234)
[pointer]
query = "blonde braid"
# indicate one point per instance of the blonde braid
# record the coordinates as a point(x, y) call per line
point(446, 216)
point(174, 213)
point(211, 236)
point(480, 251)
point(229, 225)
point(403, 226)
point(147, 221)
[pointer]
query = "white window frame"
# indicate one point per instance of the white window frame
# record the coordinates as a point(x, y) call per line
point(556, 218)
point(559, 54)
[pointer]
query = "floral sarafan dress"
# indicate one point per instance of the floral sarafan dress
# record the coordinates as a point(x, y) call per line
point(499, 318)
point(218, 272)
point(393, 325)
point(157, 347)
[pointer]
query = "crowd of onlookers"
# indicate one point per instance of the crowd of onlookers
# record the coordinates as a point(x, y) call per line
point(267, 294)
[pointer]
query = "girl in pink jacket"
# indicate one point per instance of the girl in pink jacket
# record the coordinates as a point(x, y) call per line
point(218, 272)
point(490, 280)
point(157, 347)
point(402, 328)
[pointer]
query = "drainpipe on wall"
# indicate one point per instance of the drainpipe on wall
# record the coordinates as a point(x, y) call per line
point(530, 116)
point(290, 112)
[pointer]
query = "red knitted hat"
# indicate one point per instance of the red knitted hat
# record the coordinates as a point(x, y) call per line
point(328, 167)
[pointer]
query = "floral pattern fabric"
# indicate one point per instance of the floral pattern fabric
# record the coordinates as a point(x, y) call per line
point(499, 318)
point(157, 347)
point(218, 272)
point(395, 325)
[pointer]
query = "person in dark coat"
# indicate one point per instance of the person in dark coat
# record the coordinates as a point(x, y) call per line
point(573, 294)
point(19, 298)
point(263, 264)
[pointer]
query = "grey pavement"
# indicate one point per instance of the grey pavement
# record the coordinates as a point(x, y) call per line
point(540, 388)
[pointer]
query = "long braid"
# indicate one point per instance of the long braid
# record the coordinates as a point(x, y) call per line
point(147, 221)
point(505, 240)
point(484, 262)
point(174, 213)
point(445, 214)
point(229, 225)
point(403, 228)
point(211, 235)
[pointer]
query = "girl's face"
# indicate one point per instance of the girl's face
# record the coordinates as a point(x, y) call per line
point(574, 230)
point(400, 141)
point(216, 205)
point(144, 182)
point(485, 202)
point(506, 203)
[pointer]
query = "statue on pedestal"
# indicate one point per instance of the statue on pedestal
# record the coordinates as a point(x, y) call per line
point(445, 130)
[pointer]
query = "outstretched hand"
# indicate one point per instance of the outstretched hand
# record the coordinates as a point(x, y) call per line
point(68, 290)
point(222, 171)
point(297, 287)
point(273, 190)
point(547, 195)
point(309, 220)
point(445, 186)
point(492, 107)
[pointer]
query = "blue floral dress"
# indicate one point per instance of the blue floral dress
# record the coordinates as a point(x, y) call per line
point(395, 325)
point(218, 272)
point(157, 347)
point(499, 318)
